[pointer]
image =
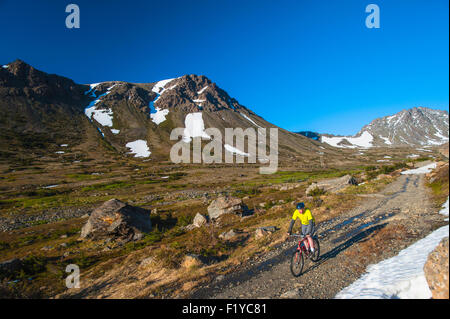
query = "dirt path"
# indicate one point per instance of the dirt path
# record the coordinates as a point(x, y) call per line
point(404, 202)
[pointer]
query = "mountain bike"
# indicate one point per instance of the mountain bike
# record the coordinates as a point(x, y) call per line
point(297, 259)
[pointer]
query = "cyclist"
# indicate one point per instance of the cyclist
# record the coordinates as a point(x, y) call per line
point(308, 224)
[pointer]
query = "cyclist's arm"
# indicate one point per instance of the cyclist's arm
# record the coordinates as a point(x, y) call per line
point(294, 217)
point(291, 225)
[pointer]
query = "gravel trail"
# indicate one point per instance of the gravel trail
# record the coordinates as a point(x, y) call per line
point(403, 202)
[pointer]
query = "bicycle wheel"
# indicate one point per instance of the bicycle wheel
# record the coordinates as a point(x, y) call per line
point(316, 256)
point(297, 263)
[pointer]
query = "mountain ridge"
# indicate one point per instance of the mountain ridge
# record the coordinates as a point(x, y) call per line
point(119, 112)
point(414, 127)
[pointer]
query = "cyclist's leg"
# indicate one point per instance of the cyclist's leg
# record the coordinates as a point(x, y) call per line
point(311, 242)
point(305, 233)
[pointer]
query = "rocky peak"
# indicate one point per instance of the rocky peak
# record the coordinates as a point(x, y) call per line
point(20, 78)
point(416, 126)
point(194, 93)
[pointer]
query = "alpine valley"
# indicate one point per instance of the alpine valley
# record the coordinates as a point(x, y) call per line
point(86, 179)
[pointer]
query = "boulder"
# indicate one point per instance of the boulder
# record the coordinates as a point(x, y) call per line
point(264, 231)
point(437, 272)
point(199, 220)
point(190, 227)
point(228, 235)
point(226, 205)
point(117, 220)
point(10, 266)
point(332, 185)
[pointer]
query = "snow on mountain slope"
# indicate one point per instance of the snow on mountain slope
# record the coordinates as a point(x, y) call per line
point(419, 126)
point(194, 127)
point(363, 140)
point(65, 111)
point(139, 148)
point(104, 116)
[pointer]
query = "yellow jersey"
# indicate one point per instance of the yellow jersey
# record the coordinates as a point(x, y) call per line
point(304, 218)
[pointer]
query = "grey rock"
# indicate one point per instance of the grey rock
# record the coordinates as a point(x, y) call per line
point(228, 235)
point(332, 185)
point(117, 220)
point(226, 205)
point(190, 227)
point(199, 220)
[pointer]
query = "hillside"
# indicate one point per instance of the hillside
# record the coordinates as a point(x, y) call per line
point(42, 111)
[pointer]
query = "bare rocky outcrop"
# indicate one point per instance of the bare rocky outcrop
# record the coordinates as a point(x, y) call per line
point(436, 270)
point(332, 185)
point(226, 205)
point(117, 220)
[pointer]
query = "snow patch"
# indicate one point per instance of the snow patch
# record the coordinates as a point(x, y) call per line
point(202, 90)
point(159, 116)
point(159, 89)
point(249, 119)
point(50, 186)
point(194, 127)
point(421, 170)
point(114, 131)
point(401, 276)
point(444, 210)
point(102, 116)
point(139, 148)
point(364, 140)
point(386, 140)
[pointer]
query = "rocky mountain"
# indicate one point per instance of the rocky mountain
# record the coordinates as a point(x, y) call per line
point(37, 110)
point(416, 127)
point(40, 112)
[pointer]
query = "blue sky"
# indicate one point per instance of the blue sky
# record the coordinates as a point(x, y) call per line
point(302, 65)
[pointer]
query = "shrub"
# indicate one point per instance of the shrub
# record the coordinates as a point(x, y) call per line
point(317, 192)
point(169, 257)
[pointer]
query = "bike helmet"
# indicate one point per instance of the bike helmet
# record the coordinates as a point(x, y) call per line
point(300, 205)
